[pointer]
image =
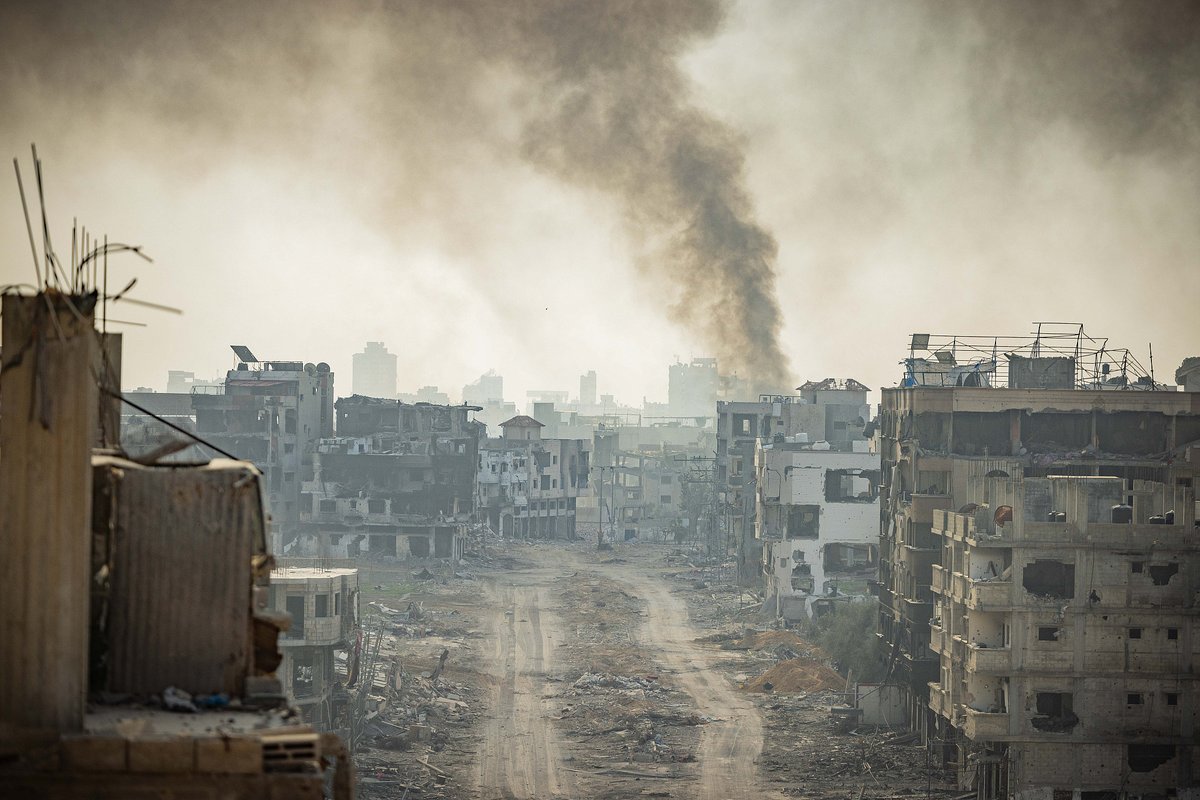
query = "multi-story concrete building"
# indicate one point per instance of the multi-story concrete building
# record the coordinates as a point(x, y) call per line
point(271, 413)
point(692, 388)
point(398, 482)
point(323, 606)
point(817, 523)
point(529, 486)
point(1039, 575)
point(833, 411)
point(374, 371)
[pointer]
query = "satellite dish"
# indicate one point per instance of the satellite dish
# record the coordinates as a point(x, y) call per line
point(323, 368)
point(310, 369)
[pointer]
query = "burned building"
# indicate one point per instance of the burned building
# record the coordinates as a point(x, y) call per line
point(397, 482)
point(1038, 577)
point(529, 486)
point(271, 413)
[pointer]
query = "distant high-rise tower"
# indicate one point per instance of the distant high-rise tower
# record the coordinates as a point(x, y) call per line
point(587, 388)
point(487, 390)
point(692, 388)
point(374, 373)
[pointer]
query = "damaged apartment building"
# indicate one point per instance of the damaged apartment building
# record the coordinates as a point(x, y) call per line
point(528, 487)
point(398, 481)
point(271, 413)
point(1039, 573)
point(829, 415)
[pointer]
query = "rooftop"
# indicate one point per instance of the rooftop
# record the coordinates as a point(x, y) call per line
point(522, 421)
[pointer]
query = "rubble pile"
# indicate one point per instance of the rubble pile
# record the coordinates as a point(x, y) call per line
point(796, 675)
point(819, 762)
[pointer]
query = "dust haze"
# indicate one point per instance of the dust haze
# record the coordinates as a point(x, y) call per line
point(555, 186)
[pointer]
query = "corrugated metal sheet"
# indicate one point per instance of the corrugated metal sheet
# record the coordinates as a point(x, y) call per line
point(180, 601)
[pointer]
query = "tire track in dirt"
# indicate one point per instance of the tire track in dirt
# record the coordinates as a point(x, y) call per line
point(519, 756)
point(730, 746)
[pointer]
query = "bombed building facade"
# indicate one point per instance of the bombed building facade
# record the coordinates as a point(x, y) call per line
point(1038, 579)
point(398, 481)
point(529, 486)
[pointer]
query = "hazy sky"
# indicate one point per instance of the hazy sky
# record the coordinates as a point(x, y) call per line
point(546, 188)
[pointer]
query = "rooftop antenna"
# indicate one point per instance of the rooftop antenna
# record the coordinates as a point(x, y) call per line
point(1153, 385)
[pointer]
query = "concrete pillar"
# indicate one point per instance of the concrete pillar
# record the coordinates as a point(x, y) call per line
point(108, 367)
point(47, 428)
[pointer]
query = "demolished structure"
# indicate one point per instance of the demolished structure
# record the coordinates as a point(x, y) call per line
point(829, 414)
point(139, 651)
point(397, 481)
point(529, 486)
point(1038, 579)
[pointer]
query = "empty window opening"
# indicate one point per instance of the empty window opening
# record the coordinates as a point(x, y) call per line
point(1133, 699)
point(328, 506)
point(1135, 633)
point(376, 506)
point(1048, 634)
point(1172, 633)
point(418, 546)
point(1172, 698)
point(851, 486)
point(1048, 578)
point(1055, 713)
point(322, 605)
point(848, 557)
point(1137, 566)
point(1149, 757)
point(1161, 573)
point(294, 605)
point(804, 522)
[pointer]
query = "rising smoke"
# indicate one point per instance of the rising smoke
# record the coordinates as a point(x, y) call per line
point(963, 143)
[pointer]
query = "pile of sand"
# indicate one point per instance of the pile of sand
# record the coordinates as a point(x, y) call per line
point(796, 675)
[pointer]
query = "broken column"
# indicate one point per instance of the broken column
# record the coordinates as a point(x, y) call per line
point(49, 403)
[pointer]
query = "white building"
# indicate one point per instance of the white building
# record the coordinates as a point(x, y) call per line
point(817, 519)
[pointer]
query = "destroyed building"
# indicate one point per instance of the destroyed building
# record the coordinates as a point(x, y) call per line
point(398, 481)
point(529, 486)
point(140, 654)
point(1038, 577)
point(271, 413)
point(832, 412)
point(817, 523)
point(319, 657)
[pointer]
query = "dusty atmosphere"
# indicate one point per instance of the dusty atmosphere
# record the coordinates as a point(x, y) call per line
point(600, 400)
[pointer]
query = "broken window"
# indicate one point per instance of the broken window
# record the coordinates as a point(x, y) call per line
point(1132, 432)
point(1172, 698)
point(1149, 757)
point(743, 425)
point(1133, 699)
point(322, 605)
point(847, 557)
point(1136, 566)
point(1048, 578)
point(851, 485)
point(1054, 712)
point(1048, 633)
point(981, 434)
point(1135, 633)
point(294, 605)
point(804, 522)
point(1172, 633)
point(1056, 431)
point(1161, 573)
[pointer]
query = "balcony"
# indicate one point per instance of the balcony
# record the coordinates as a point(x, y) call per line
point(984, 726)
point(939, 701)
point(940, 581)
point(988, 660)
point(989, 594)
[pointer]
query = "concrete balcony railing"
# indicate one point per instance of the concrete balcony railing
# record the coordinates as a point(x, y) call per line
point(989, 594)
point(939, 582)
point(939, 701)
point(984, 726)
point(923, 505)
point(988, 660)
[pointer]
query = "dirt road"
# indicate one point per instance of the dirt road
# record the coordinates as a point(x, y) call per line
point(730, 746)
point(521, 756)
